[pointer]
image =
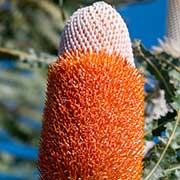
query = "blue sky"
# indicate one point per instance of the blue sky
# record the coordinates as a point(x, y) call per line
point(146, 21)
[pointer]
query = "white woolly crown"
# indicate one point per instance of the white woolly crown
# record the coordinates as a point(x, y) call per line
point(95, 28)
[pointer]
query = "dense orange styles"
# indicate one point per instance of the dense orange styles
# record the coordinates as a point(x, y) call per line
point(93, 119)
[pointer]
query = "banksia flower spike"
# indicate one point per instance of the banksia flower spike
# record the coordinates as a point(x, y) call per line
point(93, 117)
point(171, 44)
point(173, 30)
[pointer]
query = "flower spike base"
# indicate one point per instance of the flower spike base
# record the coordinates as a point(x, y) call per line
point(93, 119)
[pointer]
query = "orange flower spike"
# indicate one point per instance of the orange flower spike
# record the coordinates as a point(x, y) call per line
point(93, 117)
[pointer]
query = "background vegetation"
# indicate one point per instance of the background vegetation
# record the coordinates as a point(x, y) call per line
point(29, 38)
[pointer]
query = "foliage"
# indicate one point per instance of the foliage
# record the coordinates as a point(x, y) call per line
point(162, 160)
point(32, 24)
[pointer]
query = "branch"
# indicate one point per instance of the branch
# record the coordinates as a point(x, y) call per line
point(138, 48)
point(42, 60)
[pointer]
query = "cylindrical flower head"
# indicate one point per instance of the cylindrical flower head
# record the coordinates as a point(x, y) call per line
point(93, 118)
point(171, 43)
point(173, 29)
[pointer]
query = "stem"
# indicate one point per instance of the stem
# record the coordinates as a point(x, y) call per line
point(171, 169)
point(169, 63)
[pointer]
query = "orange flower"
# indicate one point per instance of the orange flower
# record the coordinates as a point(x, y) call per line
point(93, 118)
